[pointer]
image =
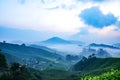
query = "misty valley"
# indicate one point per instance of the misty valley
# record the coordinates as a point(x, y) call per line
point(59, 39)
point(59, 59)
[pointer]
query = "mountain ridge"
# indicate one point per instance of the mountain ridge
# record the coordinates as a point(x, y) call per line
point(103, 45)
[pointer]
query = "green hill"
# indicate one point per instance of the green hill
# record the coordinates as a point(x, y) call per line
point(25, 51)
point(33, 57)
point(100, 64)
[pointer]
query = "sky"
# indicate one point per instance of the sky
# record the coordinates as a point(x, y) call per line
point(84, 20)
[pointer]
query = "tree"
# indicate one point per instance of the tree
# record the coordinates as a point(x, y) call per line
point(91, 56)
point(3, 62)
point(19, 72)
point(23, 45)
point(72, 57)
point(15, 67)
point(4, 41)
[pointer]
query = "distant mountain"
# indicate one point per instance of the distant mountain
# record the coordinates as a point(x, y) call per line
point(56, 40)
point(103, 45)
point(100, 53)
point(88, 51)
point(100, 64)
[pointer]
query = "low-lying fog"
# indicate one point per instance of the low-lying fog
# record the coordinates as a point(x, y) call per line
point(76, 49)
point(112, 52)
point(67, 48)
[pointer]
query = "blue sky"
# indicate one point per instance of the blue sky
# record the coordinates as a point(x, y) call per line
point(84, 20)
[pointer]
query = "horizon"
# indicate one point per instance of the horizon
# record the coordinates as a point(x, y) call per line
point(94, 21)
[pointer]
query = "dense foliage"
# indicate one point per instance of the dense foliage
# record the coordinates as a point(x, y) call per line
point(20, 72)
point(3, 63)
point(113, 75)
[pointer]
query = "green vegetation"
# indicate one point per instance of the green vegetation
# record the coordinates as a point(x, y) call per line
point(27, 51)
point(3, 63)
point(15, 72)
point(98, 64)
point(20, 72)
point(113, 75)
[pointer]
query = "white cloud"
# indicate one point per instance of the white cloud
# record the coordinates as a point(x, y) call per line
point(111, 7)
point(36, 15)
point(57, 16)
point(110, 31)
point(32, 15)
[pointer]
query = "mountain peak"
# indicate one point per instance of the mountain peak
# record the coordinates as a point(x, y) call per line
point(56, 40)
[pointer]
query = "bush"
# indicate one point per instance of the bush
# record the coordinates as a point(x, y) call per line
point(113, 75)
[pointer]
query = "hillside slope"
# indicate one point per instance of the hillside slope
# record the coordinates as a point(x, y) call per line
point(97, 64)
point(34, 57)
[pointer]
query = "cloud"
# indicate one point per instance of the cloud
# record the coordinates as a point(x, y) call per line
point(21, 1)
point(91, 0)
point(110, 34)
point(34, 15)
point(94, 17)
point(98, 0)
point(60, 17)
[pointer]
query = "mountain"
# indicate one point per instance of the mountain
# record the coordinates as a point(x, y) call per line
point(103, 45)
point(56, 40)
point(102, 54)
point(24, 50)
point(88, 51)
point(33, 57)
point(61, 45)
point(90, 64)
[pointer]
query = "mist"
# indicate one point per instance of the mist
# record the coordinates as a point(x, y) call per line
point(72, 49)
